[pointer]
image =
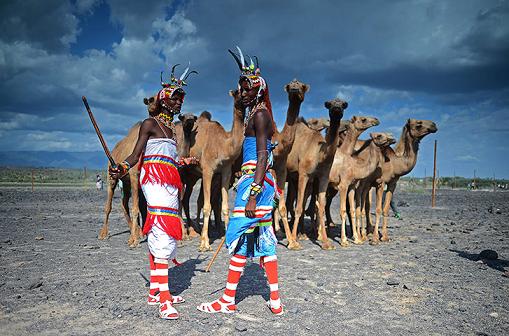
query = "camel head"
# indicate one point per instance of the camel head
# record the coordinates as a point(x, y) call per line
point(362, 123)
point(237, 99)
point(382, 139)
point(418, 129)
point(187, 120)
point(318, 124)
point(296, 90)
point(336, 108)
point(151, 104)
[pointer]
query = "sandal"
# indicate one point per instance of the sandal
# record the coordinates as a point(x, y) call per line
point(167, 311)
point(154, 299)
point(276, 311)
point(225, 307)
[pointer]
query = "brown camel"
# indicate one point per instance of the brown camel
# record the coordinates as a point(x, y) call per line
point(129, 188)
point(296, 92)
point(122, 149)
point(348, 168)
point(399, 162)
point(375, 153)
point(311, 157)
point(217, 150)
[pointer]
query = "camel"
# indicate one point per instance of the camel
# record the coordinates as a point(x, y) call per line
point(400, 162)
point(130, 188)
point(375, 153)
point(216, 150)
point(311, 157)
point(348, 168)
point(124, 148)
point(296, 92)
point(191, 175)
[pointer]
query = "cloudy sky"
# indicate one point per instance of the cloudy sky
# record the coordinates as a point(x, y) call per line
point(447, 61)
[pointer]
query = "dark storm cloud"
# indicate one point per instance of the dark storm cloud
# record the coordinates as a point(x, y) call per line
point(440, 60)
point(48, 24)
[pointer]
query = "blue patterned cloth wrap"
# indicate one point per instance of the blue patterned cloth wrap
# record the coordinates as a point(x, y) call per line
point(242, 230)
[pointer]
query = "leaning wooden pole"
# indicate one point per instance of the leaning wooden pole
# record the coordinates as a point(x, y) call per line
point(433, 188)
point(215, 254)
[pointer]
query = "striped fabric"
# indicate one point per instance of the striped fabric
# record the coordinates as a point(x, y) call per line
point(162, 159)
point(162, 211)
point(240, 226)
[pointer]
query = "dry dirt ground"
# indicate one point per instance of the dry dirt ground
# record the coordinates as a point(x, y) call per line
point(57, 278)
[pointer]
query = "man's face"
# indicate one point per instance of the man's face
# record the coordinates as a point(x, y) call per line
point(248, 94)
point(174, 103)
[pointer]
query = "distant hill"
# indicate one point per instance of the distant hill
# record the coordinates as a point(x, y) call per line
point(92, 160)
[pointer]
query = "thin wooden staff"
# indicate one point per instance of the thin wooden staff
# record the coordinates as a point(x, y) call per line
point(98, 132)
point(215, 254)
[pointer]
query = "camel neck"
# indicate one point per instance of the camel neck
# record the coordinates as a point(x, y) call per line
point(185, 145)
point(406, 152)
point(237, 131)
point(293, 112)
point(332, 136)
point(351, 136)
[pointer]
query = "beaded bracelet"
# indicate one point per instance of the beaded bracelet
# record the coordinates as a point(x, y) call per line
point(255, 189)
point(124, 168)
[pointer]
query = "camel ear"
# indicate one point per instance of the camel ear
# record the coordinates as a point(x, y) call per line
point(195, 117)
point(345, 105)
point(286, 87)
point(231, 93)
point(354, 118)
point(181, 117)
point(145, 101)
point(306, 88)
point(327, 104)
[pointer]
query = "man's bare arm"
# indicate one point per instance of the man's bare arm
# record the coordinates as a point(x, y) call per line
point(261, 125)
point(145, 131)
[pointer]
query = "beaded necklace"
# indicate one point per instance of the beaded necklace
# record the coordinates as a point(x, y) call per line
point(251, 113)
point(166, 120)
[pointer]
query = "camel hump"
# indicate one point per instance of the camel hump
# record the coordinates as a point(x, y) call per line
point(207, 115)
point(302, 120)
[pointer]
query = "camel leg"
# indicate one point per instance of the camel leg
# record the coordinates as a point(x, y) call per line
point(207, 208)
point(292, 243)
point(353, 218)
point(103, 233)
point(278, 177)
point(364, 209)
point(225, 185)
point(322, 232)
point(301, 192)
point(331, 192)
point(342, 211)
point(135, 212)
point(358, 213)
point(368, 199)
point(190, 182)
point(387, 205)
point(126, 195)
point(301, 230)
point(379, 194)
point(142, 206)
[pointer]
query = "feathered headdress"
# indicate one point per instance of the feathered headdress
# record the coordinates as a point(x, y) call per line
point(251, 72)
point(175, 84)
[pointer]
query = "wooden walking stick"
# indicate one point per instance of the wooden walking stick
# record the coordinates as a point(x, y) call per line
point(215, 254)
point(98, 132)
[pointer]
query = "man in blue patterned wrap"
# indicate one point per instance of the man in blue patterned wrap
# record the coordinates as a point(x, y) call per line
point(250, 232)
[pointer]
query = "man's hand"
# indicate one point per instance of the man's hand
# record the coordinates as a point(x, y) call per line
point(250, 209)
point(117, 172)
point(189, 161)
